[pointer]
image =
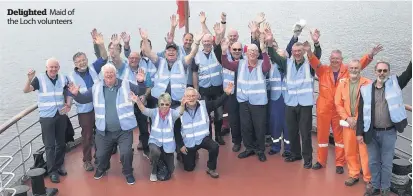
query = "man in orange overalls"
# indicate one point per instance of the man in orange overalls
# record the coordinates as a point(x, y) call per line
point(346, 101)
point(327, 116)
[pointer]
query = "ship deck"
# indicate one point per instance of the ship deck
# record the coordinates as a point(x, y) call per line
point(237, 177)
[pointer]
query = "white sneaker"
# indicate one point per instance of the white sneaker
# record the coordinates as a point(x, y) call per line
point(153, 178)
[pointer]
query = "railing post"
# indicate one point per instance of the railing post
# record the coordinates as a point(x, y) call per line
point(21, 150)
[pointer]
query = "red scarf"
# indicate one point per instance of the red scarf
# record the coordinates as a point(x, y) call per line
point(163, 115)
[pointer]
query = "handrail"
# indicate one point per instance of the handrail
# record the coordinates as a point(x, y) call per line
point(3, 186)
point(17, 117)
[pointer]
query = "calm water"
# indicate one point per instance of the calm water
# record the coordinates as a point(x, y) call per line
point(353, 27)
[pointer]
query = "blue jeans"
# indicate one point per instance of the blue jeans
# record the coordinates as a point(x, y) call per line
point(381, 153)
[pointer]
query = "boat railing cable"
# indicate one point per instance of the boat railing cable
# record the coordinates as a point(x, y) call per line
point(4, 190)
point(19, 153)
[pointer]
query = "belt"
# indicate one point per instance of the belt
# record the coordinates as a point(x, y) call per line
point(383, 129)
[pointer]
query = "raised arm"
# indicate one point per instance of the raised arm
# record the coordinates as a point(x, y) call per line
point(366, 59)
point(197, 39)
point(81, 98)
point(28, 87)
point(202, 19)
point(146, 49)
point(233, 65)
point(273, 55)
point(174, 22)
point(126, 40)
point(405, 77)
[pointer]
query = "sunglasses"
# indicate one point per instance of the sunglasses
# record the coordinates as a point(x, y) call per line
point(237, 49)
point(381, 70)
point(165, 104)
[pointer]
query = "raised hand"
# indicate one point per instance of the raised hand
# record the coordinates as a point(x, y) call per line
point(31, 74)
point(140, 77)
point(73, 88)
point(143, 33)
point(223, 17)
point(264, 26)
point(217, 28)
point(229, 88)
point(174, 20)
point(268, 35)
point(375, 50)
point(98, 39)
point(125, 37)
point(260, 17)
point(198, 37)
point(253, 26)
point(115, 39)
point(202, 17)
point(169, 38)
point(315, 35)
point(224, 45)
point(307, 46)
point(93, 34)
point(133, 97)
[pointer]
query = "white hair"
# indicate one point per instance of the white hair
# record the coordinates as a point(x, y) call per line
point(107, 67)
point(252, 47)
point(51, 60)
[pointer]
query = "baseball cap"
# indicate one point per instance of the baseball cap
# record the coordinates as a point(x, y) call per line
point(171, 45)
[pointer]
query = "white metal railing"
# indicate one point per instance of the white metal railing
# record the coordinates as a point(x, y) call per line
point(3, 186)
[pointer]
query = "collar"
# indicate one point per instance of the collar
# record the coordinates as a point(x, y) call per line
point(57, 76)
point(196, 107)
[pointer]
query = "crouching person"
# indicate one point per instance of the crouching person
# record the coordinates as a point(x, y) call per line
point(195, 129)
point(161, 139)
point(114, 119)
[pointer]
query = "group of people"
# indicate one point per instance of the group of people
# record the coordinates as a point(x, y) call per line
point(265, 90)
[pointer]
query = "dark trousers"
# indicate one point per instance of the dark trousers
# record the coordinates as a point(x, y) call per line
point(299, 122)
point(278, 126)
point(104, 145)
point(208, 144)
point(54, 135)
point(157, 153)
point(234, 119)
point(86, 122)
point(142, 121)
point(209, 94)
point(253, 119)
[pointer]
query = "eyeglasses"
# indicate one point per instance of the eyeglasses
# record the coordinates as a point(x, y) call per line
point(237, 49)
point(381, 70)
point(165, 104)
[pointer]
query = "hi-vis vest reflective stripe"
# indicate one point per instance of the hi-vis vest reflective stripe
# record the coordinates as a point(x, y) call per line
point(124, 107)
point(161, 135)
point(50, 98)
point(251, 85)
point(209, 70)
point(195, 130)
point(277, 84)
point(228, 76)
point(148, 67)
point(176, 77)
point(77, 80)
point(300, 86)
point(394, 98)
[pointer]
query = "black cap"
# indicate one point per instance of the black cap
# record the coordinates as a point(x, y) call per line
point(171, 45)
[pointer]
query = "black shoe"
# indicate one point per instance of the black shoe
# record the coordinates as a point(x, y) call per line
point(385, 192)
point(268, 141)
point(54, 178)
point(351, 181)
point(372, 191)
point(99, 174)
point(236, 147)
point(130, 179)
point(292, 158)
point(317, 166)
point(272, 152)
point(115, 149)
point(246, 154)
point(286, 154)
point(307, 165)
point(261, 157)
point(62, 171)
point(339, 170)
point(224, 131)
point(219, 140)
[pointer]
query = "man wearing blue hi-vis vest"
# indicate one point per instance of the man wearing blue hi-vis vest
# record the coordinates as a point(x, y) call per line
point(171, 74)
point(209, 81)
point(114, 119)
point(381, 115)
point(86, 75)
point(52, 111)
point(252, 96)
